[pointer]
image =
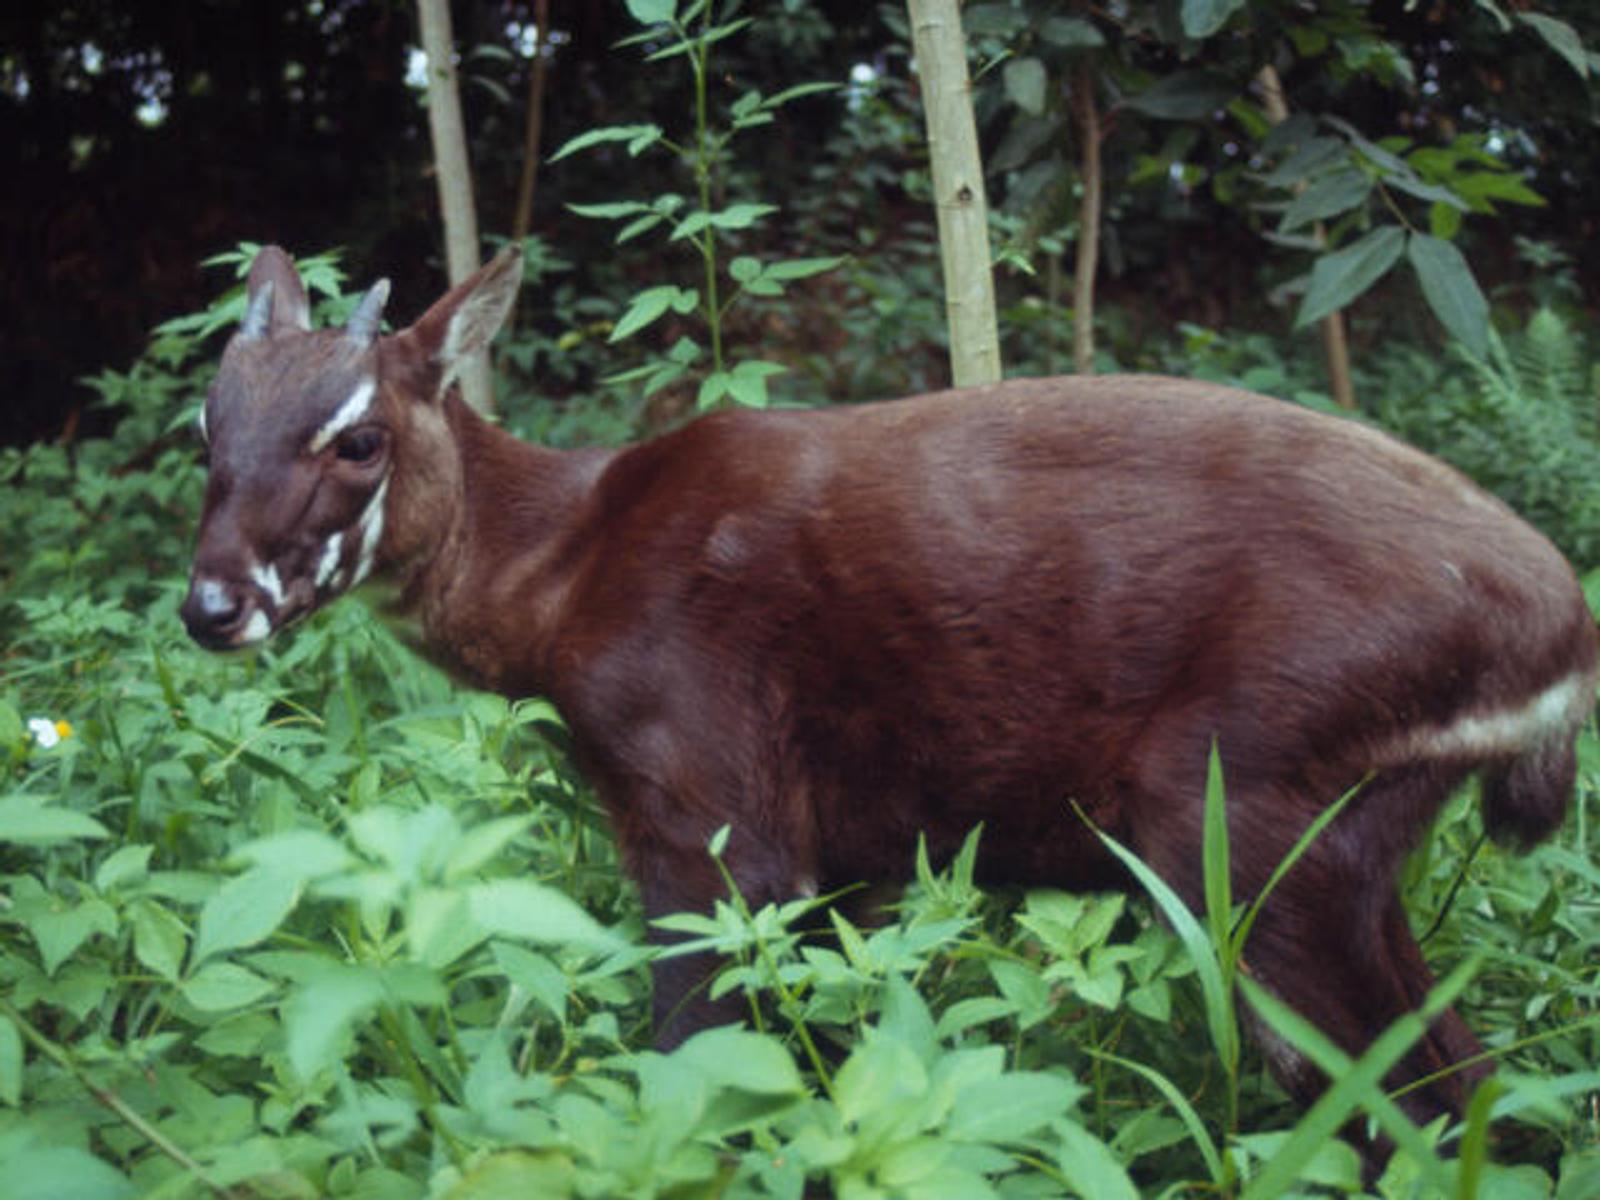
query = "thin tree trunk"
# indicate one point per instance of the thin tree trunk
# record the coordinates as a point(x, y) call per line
point(963, 217)
point(1335, 345)
point(1088, 221)
point(454, 175)
point(533, 126)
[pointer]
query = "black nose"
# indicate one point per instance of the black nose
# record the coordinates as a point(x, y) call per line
point(214, 612)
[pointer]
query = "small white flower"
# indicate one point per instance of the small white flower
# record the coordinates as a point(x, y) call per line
point(48, 733)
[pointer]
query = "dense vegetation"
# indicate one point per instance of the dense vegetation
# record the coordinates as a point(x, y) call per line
point(313, 922)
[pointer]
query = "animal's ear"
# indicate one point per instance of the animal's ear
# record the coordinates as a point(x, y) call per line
point(465, 319)
point(277, 298)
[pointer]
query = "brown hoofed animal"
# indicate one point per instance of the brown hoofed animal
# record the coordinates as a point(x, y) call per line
point(835, 630)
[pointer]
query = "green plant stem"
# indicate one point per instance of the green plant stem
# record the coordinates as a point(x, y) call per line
point(63, 1058)
point(704, 155)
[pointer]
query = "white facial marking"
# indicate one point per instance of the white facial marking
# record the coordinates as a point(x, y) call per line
point(266, 578)
point(371, 527)
point(329, 562)
point(200, 422)
point(351, 411)
point(255, 629)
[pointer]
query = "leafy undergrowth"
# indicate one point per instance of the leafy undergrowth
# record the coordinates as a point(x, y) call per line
point(314, 923)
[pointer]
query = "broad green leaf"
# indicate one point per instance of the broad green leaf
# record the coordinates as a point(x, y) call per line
point(652, 12)
point(516, 1175)
point(1089, 1165)
point(528, 911)
point(319, 1015)
point(1451, 291)
point(1561, 38)
point(737, 1058)
point(128, 864)
point(1183, 96)
point(10, 1063)
point(1330, 194)
point(159, 938)
point(439, 926)
point(303, 854)
point(481, 843)
point(43, 1172)
point(747, 382)
point(1309, 157)
point(1070, 32)
point(59, 929)
point(1202, 18)
point(1025, 82)
point(12, 731)
point(879, 1071)
point(649, 305)
point(245, 910)
point(217, 987)
point(744, 268)
point(28, 821)
point(1007, 1108)
point(536, 975)
point(1340, 277)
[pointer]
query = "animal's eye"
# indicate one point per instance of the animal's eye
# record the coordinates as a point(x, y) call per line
point(359, 445)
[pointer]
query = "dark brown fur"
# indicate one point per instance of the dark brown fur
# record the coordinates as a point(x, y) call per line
point(836, 630)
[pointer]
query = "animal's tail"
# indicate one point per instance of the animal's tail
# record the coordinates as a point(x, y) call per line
point(1525, 796)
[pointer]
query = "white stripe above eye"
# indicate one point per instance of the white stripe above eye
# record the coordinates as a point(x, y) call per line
point(351, 411)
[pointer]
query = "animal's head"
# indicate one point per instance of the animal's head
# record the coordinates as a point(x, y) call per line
point(312, 433)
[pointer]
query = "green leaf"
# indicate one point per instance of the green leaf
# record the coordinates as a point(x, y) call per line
point(1089, 1165)
point(128, 864)
point(1009, 1107)
point(803, 268)
point(12, 732)
point(10, 1063)
point(217, 987)
point(1340, 277)
point(1070, 32)
point(481, 844)
point(646, 307)
point(1025, 82)
point(43, 1172)
point(652, 12)
point(638, 138)
point(610, 212)
point(736, 1058)
point(159, 938)
point(1183, 96)
point(528, 911)
point(319, 1015)
point(1202, 18)
point(1561, 38)
point(245, 910)
point(879, 1071)
point(1451, 291)
point(1329, 195)
point(28, 821)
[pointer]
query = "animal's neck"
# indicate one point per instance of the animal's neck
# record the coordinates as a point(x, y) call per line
point(484, 524)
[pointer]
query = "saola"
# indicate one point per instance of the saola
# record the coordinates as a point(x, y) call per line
point(834, 631)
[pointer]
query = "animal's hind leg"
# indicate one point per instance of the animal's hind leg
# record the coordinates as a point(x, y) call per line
point(1340, 952)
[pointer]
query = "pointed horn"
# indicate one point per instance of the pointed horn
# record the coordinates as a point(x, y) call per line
point(258, 315)
point(367, 319)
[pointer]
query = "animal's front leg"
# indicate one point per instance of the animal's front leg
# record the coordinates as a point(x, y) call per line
point(676, 873)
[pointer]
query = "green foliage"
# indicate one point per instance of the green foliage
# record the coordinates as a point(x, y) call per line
point(1524, 422)
point(705, 223)
point(314, 923)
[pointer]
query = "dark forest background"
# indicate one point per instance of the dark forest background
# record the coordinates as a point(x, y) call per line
point(141, 138)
